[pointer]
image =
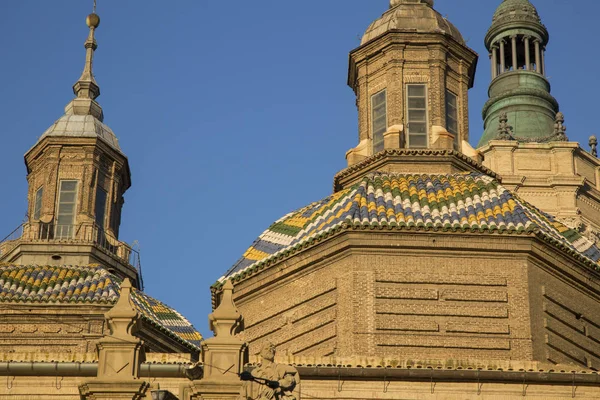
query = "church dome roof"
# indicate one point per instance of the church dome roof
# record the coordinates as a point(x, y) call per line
point(83, 126)
point(412, 16)
point(94, 286)
point(472, 202)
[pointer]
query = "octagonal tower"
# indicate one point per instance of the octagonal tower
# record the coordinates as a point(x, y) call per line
point(77, 176)
point(420, 257)
point(411, 76)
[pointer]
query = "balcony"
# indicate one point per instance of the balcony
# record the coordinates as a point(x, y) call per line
point(87, 234)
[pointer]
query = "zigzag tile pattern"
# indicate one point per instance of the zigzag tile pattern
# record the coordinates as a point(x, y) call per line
point(89, 285)
point(471, 202)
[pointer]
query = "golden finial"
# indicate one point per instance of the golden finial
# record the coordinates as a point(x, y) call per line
point(93, 20)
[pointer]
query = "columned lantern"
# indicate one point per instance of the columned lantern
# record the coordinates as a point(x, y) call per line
point(516, 42)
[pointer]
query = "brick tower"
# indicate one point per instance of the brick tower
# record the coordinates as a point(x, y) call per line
point(77, 176)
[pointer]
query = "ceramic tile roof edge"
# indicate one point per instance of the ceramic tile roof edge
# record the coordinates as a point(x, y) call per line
point(543, 235)
point(102, 302)
point(349, 224)
point(170, 333)
point(316, 238)
point(342, 226)
point(412, 152)
point(165, 330)
point(565, 249)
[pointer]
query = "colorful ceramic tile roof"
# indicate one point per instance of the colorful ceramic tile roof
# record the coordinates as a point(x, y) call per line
point(89, 285)
point(456, 202)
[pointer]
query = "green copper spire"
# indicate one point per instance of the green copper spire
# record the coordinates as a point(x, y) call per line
point(519, 90)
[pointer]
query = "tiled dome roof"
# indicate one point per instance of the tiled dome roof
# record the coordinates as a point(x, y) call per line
point(412, 16)
point(89, 285)
point(453, 203)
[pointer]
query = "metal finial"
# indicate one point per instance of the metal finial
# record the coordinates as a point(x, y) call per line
point(94, 10)
point(86, 86)
point(86, 89)
point(594, 146)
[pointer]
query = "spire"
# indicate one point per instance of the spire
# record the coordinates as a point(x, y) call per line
point(86, 89)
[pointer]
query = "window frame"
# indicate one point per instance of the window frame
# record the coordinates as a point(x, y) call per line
point(38, 203)
point(384, 91)
point(59, 231)
point(456, 119)
point(426, 109)
point(101, 224)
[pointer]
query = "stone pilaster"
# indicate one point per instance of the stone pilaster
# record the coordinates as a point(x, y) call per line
point(120, 355)
point(224, 355)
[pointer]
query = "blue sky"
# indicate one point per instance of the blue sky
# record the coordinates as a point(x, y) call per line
point(232, 113)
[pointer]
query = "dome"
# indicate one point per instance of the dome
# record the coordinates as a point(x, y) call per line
point(85, 126)
point(412, 16)
point(516, 13)
point(91, 285)
point(512, 10)
point(472, 202)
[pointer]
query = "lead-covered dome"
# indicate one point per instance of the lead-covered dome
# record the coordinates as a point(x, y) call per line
point(412, 16)
point(82, 126)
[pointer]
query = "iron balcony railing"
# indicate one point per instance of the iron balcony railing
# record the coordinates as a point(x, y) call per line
point(81, 234)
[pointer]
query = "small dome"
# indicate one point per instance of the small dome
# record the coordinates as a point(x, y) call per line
point(516, 13)
point(412, 16)
point(516, 10)
point(70, 125)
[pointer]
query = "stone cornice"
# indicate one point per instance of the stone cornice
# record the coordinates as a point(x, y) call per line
point(409, 38)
